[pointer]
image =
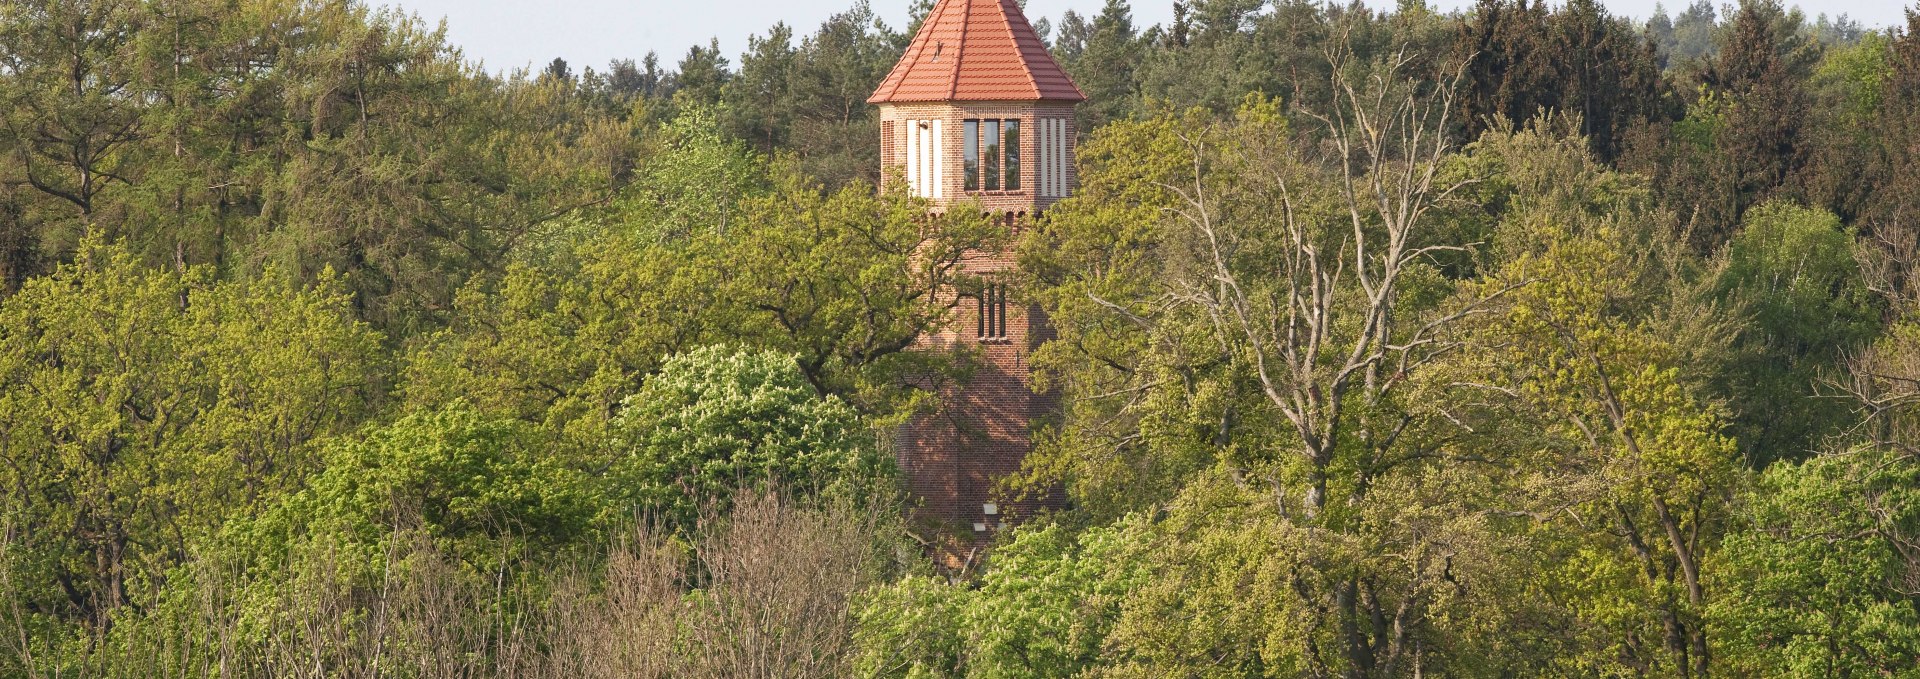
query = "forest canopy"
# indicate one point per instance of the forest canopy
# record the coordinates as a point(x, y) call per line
point(1524, 340)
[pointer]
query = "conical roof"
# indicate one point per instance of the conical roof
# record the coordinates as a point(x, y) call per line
point(976, 50)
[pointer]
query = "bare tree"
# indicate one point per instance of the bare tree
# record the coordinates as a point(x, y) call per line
point(1300, 245)
point(1328, 331)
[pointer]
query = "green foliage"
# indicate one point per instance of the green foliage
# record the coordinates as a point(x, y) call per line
point(1821, 582)
point(695, 182)
point(1859, 73)
point(1153, 400)
point(289, 136)
point(1587, 348)
point(1793, 269)
point(1044, 609)
point(451, 476)
point(564, 337)
point(143, 408)
point(717, 418)
point(909, 629)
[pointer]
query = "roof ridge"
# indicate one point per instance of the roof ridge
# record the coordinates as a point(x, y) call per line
point(960, 50)
point(907, 58)
point(1006, 19)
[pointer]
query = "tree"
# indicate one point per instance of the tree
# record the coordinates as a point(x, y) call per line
point(1693, 36)
point(1578, 60)
point(1820, 580)
point(558, 72)
point(1045, 607)
point(846, 281)
point(1749, 124)
point(1843, 172)
point(1890, 206)
point(1793, 269)
point(485, 492)
point(71, 71)
point(760, 94)
point(1103, 65)
point(717, 418)
point(701, 76)
point(143, 408)
point(289, 137)
point(1618, 458)
point(836, 134)
point(1281, 295)
point(1820, 576)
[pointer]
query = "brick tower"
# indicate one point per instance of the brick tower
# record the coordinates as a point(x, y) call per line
point(977, 113)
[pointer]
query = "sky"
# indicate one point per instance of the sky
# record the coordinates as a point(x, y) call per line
point(507, 34)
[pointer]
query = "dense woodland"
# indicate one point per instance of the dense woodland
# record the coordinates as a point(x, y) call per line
point(1529, 340)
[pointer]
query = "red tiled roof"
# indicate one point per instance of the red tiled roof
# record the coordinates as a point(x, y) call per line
point(976, 50)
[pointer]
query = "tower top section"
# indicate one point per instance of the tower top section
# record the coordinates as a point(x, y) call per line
point(976, 50)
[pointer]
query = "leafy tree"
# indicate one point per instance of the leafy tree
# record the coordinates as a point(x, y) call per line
point(484, 491)
point(1213, 332)
point(1793, 269)
point(1820, 576)
point(1820, 582)
point(717, 418)
point(293, 137)
point(1890, 203)
point(695, 180)
point(143, 408)
point(1583, 362)
point(1044, 608)
point(1848, 89)
point(846, 281)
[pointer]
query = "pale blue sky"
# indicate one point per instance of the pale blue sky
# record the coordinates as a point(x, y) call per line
point(507, 34)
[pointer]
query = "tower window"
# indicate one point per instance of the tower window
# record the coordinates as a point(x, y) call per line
point(992, 152)
point(970, 148)
point(992, 321)
point(1013, 155)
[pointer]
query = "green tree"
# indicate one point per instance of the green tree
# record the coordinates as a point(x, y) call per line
point(718, 418)
point(1793, 269)
point(1577, 59)
point(1615, 451)
point(144, 408)
point(1847, 90)
point(701, 77)
point(836, 134)
point(1043, 608)
point(1103, 65)
point(1819, 577)
point(71, 68)
point(485, 491)
point(1819, 583)
point(1233, 305)
point(760, 96)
